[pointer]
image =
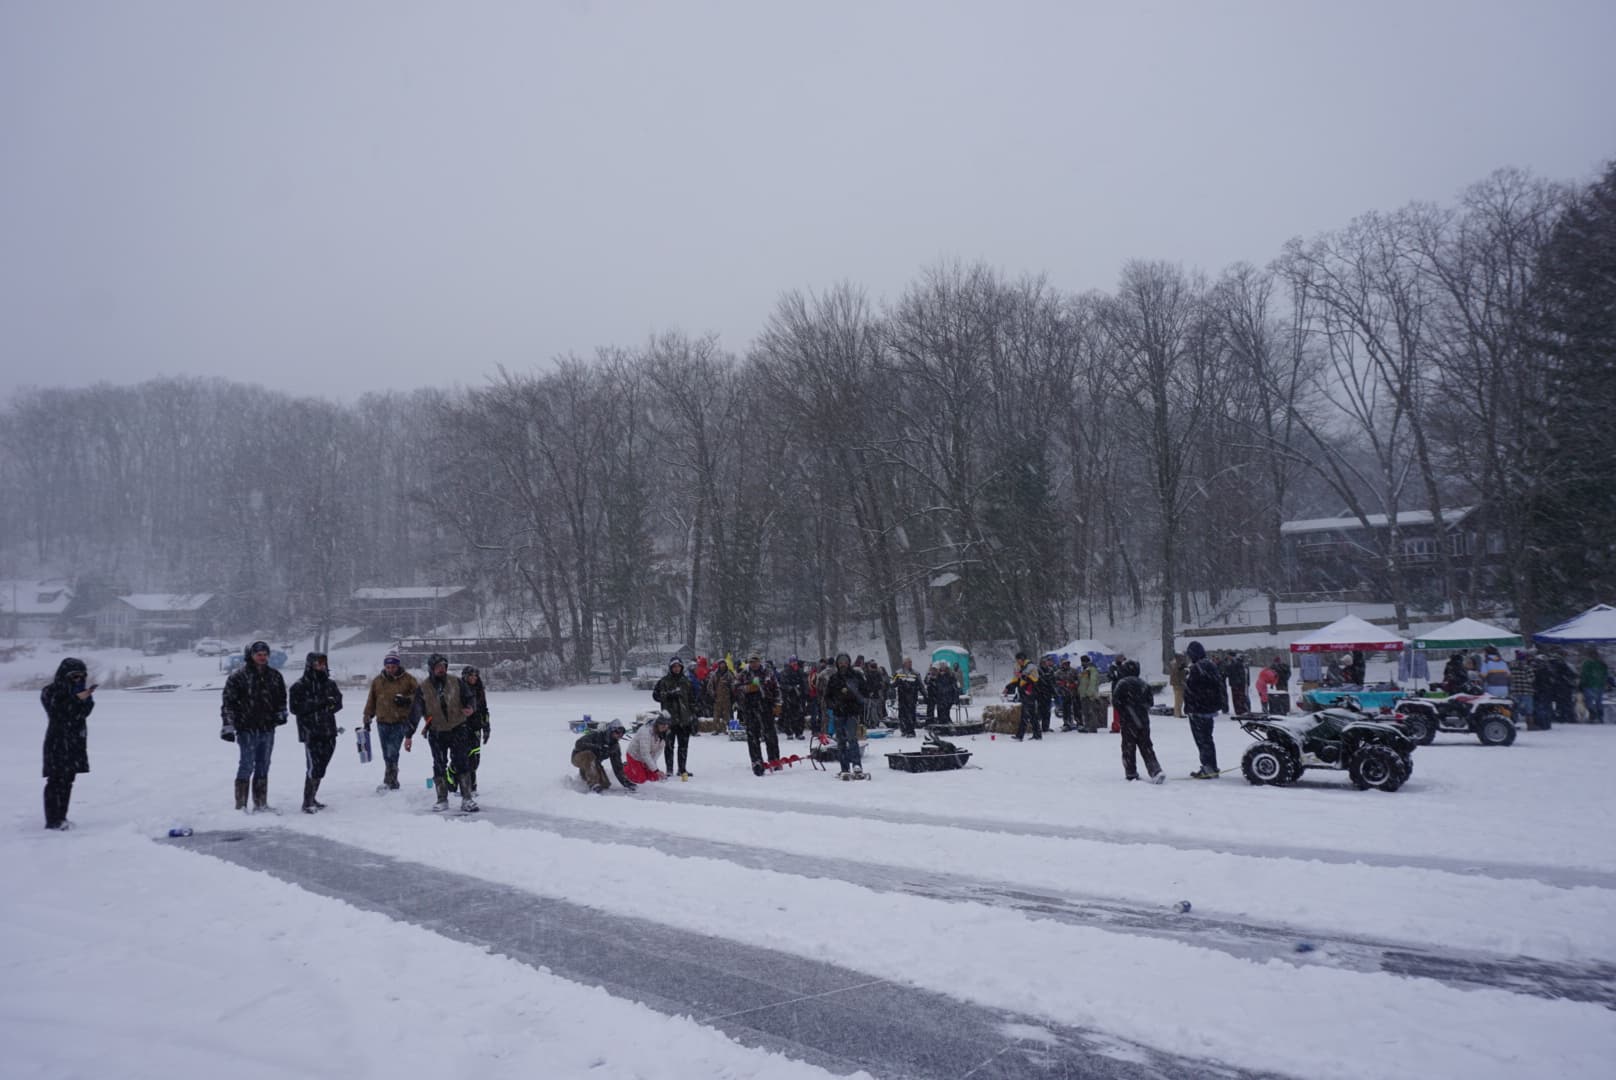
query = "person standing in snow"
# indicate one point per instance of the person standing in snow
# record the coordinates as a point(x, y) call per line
point(673, 693)
point(942, 693)
point(441, 703)
point(844, 695)
point(1594, 677)
point(1066, 694)
point(316, 699)
point(1023, 687)
point(1133, 699)
point(1266, 678)
point(478, 728)
point(1088, 695)
point(1044, 692)
point(1175, 675)
point(68, 700)
point(1522, 687)
point(254, 706)
point(1239, 679)
point(906, 683)
point(720, 684)
point(594, 747)
point(875, 695)
point(645, 750)
point(1494, 673)
point(1203, 700)
point(391, 699)
point(793, 699)
point(759, 698)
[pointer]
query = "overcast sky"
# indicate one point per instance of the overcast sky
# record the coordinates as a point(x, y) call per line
point(336, 196)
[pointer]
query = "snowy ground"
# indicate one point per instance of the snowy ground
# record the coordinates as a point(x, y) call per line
point(1461, 927)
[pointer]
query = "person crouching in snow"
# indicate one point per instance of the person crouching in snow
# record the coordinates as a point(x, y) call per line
point(645, 750)
point(1132, 698)
point(316, 699)
point(594, 747)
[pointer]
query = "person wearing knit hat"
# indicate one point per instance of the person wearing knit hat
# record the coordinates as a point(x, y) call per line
point(392, 695)
point(673, 692)
point(479, 730)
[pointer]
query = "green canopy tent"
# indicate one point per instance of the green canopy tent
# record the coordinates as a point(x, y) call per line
point(1467, 634)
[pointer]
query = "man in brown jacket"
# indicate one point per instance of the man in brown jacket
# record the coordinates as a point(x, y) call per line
point(392, 697)
point(444, 706)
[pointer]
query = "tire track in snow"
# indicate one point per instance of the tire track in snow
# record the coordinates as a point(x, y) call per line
point(837, 1018)
point(1465, 970)
point(1558, 876)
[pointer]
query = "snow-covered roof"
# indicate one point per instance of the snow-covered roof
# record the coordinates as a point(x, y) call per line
point(167, 601)
point(34, 597)
point(1596, 625)
point(1346, 633)
point(1466, 634)
point(1376, 521)
point(409, 592)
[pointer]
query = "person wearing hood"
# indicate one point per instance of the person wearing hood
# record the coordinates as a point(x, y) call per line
point(1133, 699)
point(942, 694)
point(1203, 700)
point(645, 751)
point(68, 701)
point(844, 697)
point(442, 704)
point(594, 747)
point(391, 699)
point(316, 699)
point(254, 706)
point(478, 729)
point(674, 694)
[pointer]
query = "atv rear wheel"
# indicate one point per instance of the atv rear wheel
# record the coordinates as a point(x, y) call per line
point(1495, 730)
point(1268, 763)
point(1421, 728)
point(1377, 767)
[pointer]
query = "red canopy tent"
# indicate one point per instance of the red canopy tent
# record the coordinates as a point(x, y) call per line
point(1349, 633)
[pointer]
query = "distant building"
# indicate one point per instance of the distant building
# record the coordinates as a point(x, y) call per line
point(144, 620)
point(412, 610)
point(1338, 555)
point(34, 609)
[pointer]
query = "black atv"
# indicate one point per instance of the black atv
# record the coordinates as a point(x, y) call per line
point(1374, 754)
point(1489, 719)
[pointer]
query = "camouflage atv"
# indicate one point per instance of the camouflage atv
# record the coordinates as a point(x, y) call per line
point(1374, 755)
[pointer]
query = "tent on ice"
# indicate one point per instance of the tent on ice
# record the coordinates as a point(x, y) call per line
point(1596, 626)
point(1466, 634)
point(1347, 634)
point(1079, 647)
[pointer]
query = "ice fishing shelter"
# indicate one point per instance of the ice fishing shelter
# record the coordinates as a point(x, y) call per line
point(1596, 626)
point(952, 653)
point(1347, 634)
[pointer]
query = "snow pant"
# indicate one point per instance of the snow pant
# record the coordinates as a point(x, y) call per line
point(254, 748)
point(1046, 708)
point(906, 715)
point(1136, 737)
point(1029, 718)
point(474, 754)
point(588, 766)
point(1525, 710)
point(761, 733)
point(317, 755)
point(449, 758)
point(678, 737)
point(1068, 709)
point(1201, 728)
point(1241, 700)
point(58, 793)
point(392, 741)
point(640, 773)
point(1093, 713)
point(847, 743)
point(940, 713)
point(1594, 700)
point(791, 719)
point(1564, 711)
point(1543, 712)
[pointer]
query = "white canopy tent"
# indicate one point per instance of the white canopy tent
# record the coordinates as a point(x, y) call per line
point(1348, 633)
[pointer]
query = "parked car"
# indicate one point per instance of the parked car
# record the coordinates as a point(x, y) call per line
point(212, 646)
point(157, 646)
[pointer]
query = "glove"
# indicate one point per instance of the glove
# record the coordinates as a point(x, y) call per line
point(228, 732)
point(488, 732)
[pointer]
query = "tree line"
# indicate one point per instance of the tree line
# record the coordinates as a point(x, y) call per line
point(983, 458)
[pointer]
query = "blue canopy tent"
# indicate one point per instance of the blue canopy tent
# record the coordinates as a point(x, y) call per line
point(1596, 626)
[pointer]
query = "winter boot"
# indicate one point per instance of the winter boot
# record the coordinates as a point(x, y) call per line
point(318, 805)
point(241, 794)
point(758, 768)
point(308, 796)
point(260, 794)
point(845, 775)
point(390, 778)
point(442, 787)
point(468, 804)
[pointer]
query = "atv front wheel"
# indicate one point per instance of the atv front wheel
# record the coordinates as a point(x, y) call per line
point(1495, 730)
point(1377, 767)
point(1268, 763)
point(1421, 728)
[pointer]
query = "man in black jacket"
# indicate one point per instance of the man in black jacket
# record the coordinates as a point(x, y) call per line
point(596, 746)
point(845, 698)
point(1203, 700)
point(758, 696)
point(674, 693)
point(1133, 699)
point(942, 693)
point(316, 699)
point(793, 699)
point(906, 682)
point(68, 701)
point(254, 706)
point(1239, 678)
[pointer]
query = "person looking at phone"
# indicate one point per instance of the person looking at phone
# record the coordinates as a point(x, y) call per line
point(67, 701)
